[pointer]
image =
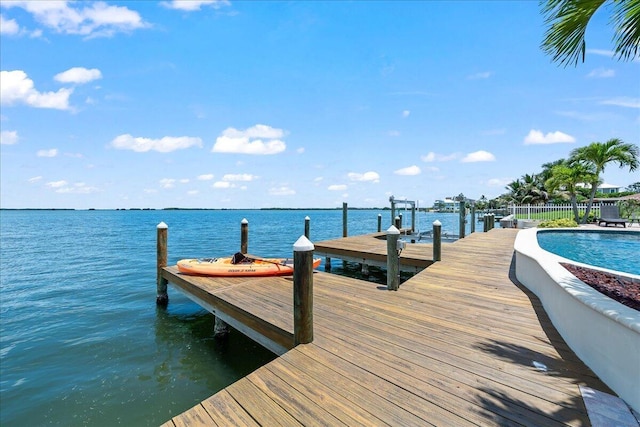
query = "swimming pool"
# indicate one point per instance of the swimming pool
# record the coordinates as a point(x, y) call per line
point(613, 250)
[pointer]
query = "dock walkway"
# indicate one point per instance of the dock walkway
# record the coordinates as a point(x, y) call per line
point(461, 343)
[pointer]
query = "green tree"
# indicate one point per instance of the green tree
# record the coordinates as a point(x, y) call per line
point(598, 155)
point(567, 20)
point(635, 187)
point(566, 177)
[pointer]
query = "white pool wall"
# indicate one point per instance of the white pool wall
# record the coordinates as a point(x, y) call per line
point(604, 333)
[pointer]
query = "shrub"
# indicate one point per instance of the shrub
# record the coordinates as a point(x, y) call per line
point(558, 223)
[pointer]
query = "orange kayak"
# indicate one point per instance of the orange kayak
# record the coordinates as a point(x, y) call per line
point(239, 265)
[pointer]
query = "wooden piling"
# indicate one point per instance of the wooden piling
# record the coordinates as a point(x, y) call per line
point(413, 218)
point(463, 219)
point(244, 236)
point(220, 328)
point(307, 222)
point(400, 222)
point(344, 219)
point(379, 223)
point(485, 222)
point(303, 291)
point(162, 298)
point(437, 240)
point(397, 223)
point(393, 260)
point(473, 218)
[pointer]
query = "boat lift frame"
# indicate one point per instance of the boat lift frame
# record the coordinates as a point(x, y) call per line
point(405, 202)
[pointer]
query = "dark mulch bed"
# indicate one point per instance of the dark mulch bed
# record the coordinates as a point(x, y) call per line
point(618, 288)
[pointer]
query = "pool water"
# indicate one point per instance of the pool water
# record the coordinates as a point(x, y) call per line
point(614, 250)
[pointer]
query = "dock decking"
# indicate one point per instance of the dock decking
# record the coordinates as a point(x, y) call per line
point(461, 343)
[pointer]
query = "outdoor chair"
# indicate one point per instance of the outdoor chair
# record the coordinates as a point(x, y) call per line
point(610, 214)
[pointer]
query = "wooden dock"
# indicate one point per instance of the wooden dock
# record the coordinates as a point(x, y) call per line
point(461, 343)
point(371, 249)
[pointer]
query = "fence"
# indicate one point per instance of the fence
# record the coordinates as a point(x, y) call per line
point(548, 212)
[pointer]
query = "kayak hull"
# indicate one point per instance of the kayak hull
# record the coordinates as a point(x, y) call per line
point(223, 267)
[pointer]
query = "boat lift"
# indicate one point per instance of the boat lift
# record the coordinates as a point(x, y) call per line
point(405, 202)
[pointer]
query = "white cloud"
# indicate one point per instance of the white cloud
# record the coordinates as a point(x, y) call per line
point(191, 5)
point(408, 171)
point(393, 133)
point(35, 179)
point(205, 177)
point(8, 26)
point(282, 191)
point(90, 19)
point(165, 144)
point(238, 177)
point(17, 88)
point(537, 137)
point(478, 156)
point(300, 150)
point(623, 101)
point(8, 137)
point(222, 184)
point(406, 113)
point(433, 157)
point(193, 192)
point(184, 181)
point(57, 184)
point(53, 152)
point(367, 176)
point(167, 183)
point(77, 188)
point(78, 75)
point(601, 73)
point(337, 187)
point(259, 139)
point(478, 76)
point(499, 182)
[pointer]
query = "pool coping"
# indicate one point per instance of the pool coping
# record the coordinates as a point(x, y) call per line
point(604, 333)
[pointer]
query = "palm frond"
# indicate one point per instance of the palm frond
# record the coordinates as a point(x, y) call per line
point(626, 18)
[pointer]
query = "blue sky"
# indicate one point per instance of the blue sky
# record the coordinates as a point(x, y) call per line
point(223, 104)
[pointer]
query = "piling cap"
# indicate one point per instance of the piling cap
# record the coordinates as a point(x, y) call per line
point(437, 223)
point(306, 218)
point(303, 245)
point(244, 221)
point(162, 225)
point(393, 230)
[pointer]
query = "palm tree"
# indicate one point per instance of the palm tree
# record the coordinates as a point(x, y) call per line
point(598, 155)
point(566, 177)
point(567, 22)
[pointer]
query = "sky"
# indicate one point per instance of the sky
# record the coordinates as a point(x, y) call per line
point(225, 104)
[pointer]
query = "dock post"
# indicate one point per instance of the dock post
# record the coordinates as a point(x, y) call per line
point(365, 270)
point(413, 218)
point(327, 264)
point(303, 291)
point(463, 219)
point(307, 221)
point(397, 223)
point(493, 221)
point(485, 222)
point(162, 298)
point(220, 328)
point(244, 235)
point(437, 240)
point(344, 219)
point(344, 228)
point(393, 260)
point(379, 223)
point(400, 216)
point(473, 218)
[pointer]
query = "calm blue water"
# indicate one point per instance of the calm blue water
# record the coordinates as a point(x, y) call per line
point(618, 251)
point(81, 339)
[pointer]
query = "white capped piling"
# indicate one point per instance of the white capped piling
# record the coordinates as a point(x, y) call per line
point(397, 222)
point(379, 223)
point(244, 236)
point(473, 218)
point(307, 222)
point(400, 223)
point(162, 298)
point(463, 218)
point(303, 291)
point(413, 218)
point(393, 259)
point(485, 222)
point(437, 240)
